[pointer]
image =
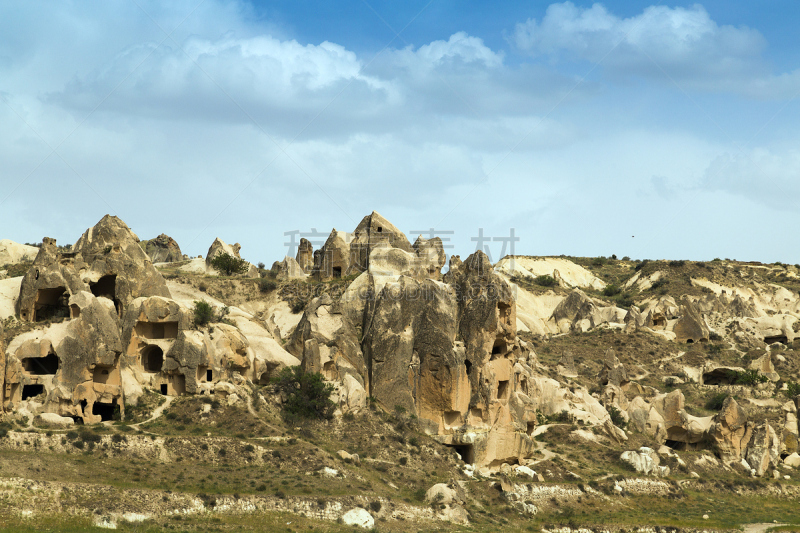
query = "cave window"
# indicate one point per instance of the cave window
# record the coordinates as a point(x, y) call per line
point(502, 390)
point(107, 288)
point(157, 330)
point(31, 391)
point(41, 366)
point(209, 374)
point(164, 389)
point(776, 338)
point(452, 418)
point(468, 366)
point(153, 359)
point(689, 341)
point(100, 376)
point(106, 411)
point(51, 303)
point(337, 272)
point(499, 347)
point(676, 445)
point(465, 451)
point(380, 229)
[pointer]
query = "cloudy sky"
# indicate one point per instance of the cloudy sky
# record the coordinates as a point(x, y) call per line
point(628, 128)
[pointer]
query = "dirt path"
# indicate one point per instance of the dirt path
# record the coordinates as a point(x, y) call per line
point(156, 413)
point(758, 528)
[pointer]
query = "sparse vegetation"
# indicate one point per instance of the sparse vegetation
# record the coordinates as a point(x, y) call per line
point(229, 265)
point(307, 394)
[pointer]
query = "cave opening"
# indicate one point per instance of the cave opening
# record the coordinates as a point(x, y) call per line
point(31, 391)
point(41, 366)
point(153, 358)
point(51, 303)
point(468, 366)
point(465, 451)
point(106, 411)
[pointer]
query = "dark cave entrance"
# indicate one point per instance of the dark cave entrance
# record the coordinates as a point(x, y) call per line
point(465, 451)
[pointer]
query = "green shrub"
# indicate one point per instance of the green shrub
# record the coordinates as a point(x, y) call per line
point(308, 396)
point(612, 289)
point(203, 313)
point(714, 403)
point(714, 336)
point(616, 417)
point(267, 285)
point(229, 265)
point(792, 389)
point(545, 281)
point(747, 377)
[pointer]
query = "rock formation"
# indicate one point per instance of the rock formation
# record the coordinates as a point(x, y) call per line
point(219, 246)
point(162, 249)
point(106, 262)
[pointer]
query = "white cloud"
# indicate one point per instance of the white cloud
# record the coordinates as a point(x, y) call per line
point(683, 43)
point(770, 176)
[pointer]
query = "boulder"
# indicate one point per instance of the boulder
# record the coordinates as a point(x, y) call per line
point(289, 268)
point(52, 420)
point(646, 461)
point(613, 372)
point(765, 367)
point(792, 460)
point(681, 426)
point(730, 431)
point(440, 493)
point(763, 450)
point(358, 517)
point(162, 249)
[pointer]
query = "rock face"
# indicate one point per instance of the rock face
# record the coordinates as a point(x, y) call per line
point(106, 262)
point(763, 451)
point(109, 329)
point(372, 231)
point(333, 259)
point(305, 255)
point(690, 327)
point(163, 249)
point(12, 253)
point(469, 393)
point(730, 432)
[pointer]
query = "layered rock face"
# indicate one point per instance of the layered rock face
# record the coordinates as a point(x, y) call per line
point(449, 353)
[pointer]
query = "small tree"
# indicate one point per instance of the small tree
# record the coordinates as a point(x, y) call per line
point(307, 394)
point(229, 265)
point(203, 312)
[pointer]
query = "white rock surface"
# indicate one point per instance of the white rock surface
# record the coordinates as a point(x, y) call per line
point(358, 517)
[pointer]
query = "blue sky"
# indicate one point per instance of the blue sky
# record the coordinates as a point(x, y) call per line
point(650, 130)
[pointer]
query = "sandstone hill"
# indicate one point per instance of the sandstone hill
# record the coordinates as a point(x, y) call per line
point(532, 394)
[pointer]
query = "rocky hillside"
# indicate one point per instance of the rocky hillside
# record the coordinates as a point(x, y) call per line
point(538, 393)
